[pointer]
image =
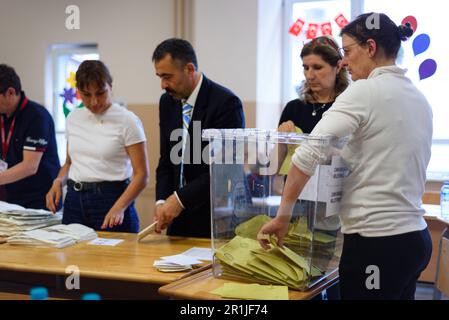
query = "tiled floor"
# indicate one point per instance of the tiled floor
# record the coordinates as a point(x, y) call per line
point(424, 291)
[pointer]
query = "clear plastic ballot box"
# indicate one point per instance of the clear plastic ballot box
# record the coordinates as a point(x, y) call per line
point(248, 171)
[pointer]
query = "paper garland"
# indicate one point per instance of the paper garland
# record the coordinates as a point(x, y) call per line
point(313, 27)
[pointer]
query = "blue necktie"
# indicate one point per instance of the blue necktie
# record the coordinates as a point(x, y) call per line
point(186, 117)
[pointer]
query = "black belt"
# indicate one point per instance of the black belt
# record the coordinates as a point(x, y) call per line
point(80, 186)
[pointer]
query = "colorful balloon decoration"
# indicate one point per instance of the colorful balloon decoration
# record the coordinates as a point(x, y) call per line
point(421, 43)
point(413, 22)
point(427, 69)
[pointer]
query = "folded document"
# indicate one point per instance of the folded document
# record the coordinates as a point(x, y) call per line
point(58, 236)
point(176, 263)
point(15, 219)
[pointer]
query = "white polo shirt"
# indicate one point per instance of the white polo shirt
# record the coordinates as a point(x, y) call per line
point(96, 143)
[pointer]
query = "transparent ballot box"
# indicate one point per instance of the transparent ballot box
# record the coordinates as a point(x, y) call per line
point(248, 171)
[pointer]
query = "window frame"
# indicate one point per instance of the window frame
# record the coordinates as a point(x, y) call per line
point(357, 8)
point(55, 51)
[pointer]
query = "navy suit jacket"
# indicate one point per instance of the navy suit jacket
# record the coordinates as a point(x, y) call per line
point(216, 107)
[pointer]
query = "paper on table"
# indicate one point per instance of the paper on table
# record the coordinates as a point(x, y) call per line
point(105, 242)
point(199, 253)
point(181, 259)
point(252, 291)
point(165, 266)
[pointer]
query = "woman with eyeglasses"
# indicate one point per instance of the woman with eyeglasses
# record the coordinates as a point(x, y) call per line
point(386, 241)
point(106, 166)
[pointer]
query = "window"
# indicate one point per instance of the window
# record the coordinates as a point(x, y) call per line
point(313, 12)
point(64, 61)
point(429, 22)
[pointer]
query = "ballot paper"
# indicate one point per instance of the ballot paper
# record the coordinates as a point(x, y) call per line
point(178, 262)
point(75, 230)
point(105, 242)
point(199, 253)
point(58, 236)
point(244, 258)
point(166, 266)
point(40, 237)
point(15, 219)
point(6, 206)
point(251, 291)
point(287, 163)
point(298, 232)
point(181, 259)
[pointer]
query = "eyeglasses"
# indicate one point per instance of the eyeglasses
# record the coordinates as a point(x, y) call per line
point(344, 50)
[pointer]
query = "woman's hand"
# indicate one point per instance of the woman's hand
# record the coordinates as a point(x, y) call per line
point(287, 126)
point(53, 196)
point(278, 226)
point(113, 218)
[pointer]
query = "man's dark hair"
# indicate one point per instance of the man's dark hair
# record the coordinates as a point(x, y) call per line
point(9, 79)
point(387, 34)
point(179, 50)
point(92, 71)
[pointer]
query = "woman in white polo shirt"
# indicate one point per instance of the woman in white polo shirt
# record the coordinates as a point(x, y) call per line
point(106, 166)
point(391, 126)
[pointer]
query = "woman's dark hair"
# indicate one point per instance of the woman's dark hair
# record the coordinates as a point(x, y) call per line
point(179, 49)
point(380, 28)
point(326, 48)
point(9, 79)
point(92, 71)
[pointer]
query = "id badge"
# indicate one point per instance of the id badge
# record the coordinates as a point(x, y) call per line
point(3, 165)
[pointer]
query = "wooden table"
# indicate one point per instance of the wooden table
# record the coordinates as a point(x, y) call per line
point(198, 287)
point(124, 270)
point(439, 264)
point(436, 226)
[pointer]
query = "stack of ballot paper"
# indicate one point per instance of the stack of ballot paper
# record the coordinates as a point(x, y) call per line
point(176, 263)
point(15, 219)
point(59, 236)
point(298, 233)
point(184, 261)
point(77, 231)
point(243, 257)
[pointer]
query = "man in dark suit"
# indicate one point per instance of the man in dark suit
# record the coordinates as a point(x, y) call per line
point(191, 101)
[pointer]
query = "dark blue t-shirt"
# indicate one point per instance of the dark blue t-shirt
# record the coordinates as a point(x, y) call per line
point(34, 131)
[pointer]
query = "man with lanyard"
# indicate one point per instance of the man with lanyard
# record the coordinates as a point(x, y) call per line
point(29, 159)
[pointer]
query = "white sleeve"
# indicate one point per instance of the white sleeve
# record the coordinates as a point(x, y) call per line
point(349, 112)
point(68, 122)
point(134, 132)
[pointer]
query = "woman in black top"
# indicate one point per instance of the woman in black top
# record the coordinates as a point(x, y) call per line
point(325, 80)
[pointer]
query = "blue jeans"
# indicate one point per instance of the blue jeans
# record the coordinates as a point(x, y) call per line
point(89, 207)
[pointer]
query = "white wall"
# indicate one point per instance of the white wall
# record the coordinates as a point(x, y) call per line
point(238, 43)
point(126, 33)
point(225, 38)
point(269, 63)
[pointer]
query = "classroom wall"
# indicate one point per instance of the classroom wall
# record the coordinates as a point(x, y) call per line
point(225, 35)
point(126, 34)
